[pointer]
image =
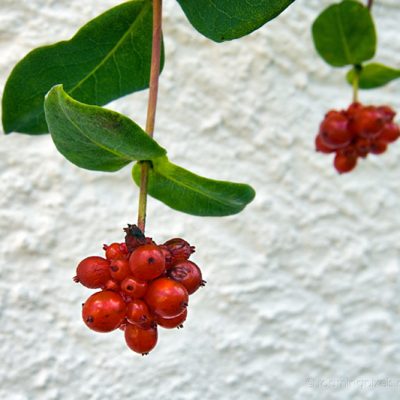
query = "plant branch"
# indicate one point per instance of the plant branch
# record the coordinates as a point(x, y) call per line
point(151, 107)
point(370, 3)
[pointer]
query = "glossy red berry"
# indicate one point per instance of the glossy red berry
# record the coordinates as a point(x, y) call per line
point(116, 251)
point(93, 272)
point(387, 113)
point(188, 274)
point(344, 162)
point(140, 340)
point(321, 146)
point(171, 323)
point(378, 146)
point(334, 130)
point(353, 109)
point(390, 133)
point(104, 311)
point(147, 262)
point(119, 269)
point(137, 313)
point(166, 297)
point(134, 288)
point(367, 122)
point(180, 249)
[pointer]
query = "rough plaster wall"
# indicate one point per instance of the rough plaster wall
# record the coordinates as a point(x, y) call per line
point(302, 300)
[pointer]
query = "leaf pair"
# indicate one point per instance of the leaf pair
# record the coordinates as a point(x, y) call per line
point(95, 138)
point(344, 34)
point(108, 58)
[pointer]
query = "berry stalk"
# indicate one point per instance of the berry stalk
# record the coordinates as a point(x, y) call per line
point(151, 107)
point(356, 82)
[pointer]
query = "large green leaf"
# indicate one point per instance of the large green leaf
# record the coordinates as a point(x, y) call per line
point(108, 58)
point(344, 34)
point(94, 138)
point(374, 75)
point(222, 20)
point(185, 191)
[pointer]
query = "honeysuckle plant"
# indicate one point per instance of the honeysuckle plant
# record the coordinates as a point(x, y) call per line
point(61, 89)
point(345, 36)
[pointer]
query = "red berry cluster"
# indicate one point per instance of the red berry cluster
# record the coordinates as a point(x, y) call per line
point(355, 132)
point(143, 286)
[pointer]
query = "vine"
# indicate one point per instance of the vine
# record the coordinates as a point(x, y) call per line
point(152, 106)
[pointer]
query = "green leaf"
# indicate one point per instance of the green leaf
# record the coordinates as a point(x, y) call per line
point(108, 58)
point(374, 75)
point(222, 20)
point(94, 138)
point(185, 191)
point(344, 34)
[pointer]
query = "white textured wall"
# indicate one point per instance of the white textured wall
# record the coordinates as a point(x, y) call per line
point(303, 294)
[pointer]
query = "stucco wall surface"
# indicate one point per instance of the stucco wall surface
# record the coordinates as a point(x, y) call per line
point(302, 300)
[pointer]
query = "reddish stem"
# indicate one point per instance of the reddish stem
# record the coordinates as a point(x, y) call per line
point(370, 3)
point(152, 106)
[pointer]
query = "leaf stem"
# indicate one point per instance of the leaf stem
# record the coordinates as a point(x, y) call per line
point(151, 107)
point(370, 3)
point(356, 82)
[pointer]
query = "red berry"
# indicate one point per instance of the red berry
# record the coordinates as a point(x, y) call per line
point(111, 285)
point(389, 133)
point(378, 146)
point(344, 162)
point(137, 313)
point(387, 113)
point(140, 340)
point(116, 251)
point(104, 311)
point(353, 109)
point(134, 288)
point(362, 146)
point(188, 274)
point(147, 262)
point(170, 323)
point(321, 147)
point(119, 269)
point(166, 297)
point(367, 122)
point(93, 272)
point(334, 130)
point(180, 249)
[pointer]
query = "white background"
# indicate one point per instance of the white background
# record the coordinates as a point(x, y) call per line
point(302, 300)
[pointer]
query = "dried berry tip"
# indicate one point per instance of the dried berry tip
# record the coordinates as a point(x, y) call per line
point(134, 237)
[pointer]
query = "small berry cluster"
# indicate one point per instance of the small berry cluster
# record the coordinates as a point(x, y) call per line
point(144, 285)
point(355, 132)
